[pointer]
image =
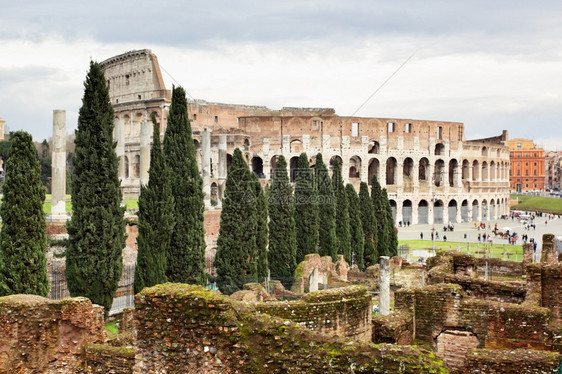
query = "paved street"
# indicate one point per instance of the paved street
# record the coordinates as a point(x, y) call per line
point(554, 226)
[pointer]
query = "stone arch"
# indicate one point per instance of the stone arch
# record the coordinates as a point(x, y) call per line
point(393, 207)
point(439, 149)
point(407, 211)
point(465, 169)
point(453, 345)
point(423, 212)
point(228, 161)
point(127, 124)
point(296, 146)
point(453, 172)
point(423, 172)
point(492, 172)
point(197, 151)
point(475, 210)
point(126, 166)
point(438, 207)
point(452, 209)
point(335, 158)
point(484, 210)
point(492, 214)
point(355, 167)
point(257, 167)
point(136, 166)
point(475, 170)
point(135, 131)
point(408, 169)
point(439, 173)
point(464, 211)
point(485, 170)
point(374, 167)
point(272, 163)
point(391, 166)
point(246, 144)
point(374, 147)
point(485, 151)
point(293, 168)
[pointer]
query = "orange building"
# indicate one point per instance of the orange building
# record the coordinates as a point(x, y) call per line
point(527, 170)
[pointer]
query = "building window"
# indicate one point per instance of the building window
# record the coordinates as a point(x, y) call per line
point(526, 155)
point(216, 119)
point(535, 172)
point(408, 127)
point(527, 172)
point(518, 145)
point(140, 97)
point(194, 116)
point(355, 129)
point(108, 84)
point(535, 164)
point(391, 127)
point(127, 80)
point(526, 164)
point(439, 132)
point(316, 124)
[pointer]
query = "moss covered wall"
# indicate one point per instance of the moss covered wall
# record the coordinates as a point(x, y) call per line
point(187, 329)
point(343, 311)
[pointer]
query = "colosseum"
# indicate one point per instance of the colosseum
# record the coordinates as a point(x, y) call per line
point(431, 172)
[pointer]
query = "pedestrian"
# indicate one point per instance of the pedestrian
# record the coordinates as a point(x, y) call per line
point(437, 235)
point(444, 238)
point(479, 238)
point(421, 235)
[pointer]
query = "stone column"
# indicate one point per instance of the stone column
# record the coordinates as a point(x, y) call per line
point(469, 176)
point(222, 164)
point(120, 149)
point(384, 286)
point(58, 167)
point(146, 131)
point(206, 165)
point(459, 215)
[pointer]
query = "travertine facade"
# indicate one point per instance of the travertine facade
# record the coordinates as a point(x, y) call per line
point(430, 171)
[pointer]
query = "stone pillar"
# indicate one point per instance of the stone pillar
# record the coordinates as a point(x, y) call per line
point(549, 254)
point(222, 164)
point(206, 165)
point(146, 131)
point(399, 207)
point(469, 176)
point(384, 286)
point(479, 210)
point(445, 213)
point(415, 208)
point(58, 168)
point(120, 149)
point(459, 215)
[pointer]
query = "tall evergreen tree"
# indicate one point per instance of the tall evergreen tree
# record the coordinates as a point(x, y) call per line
point(327, 239)
point(306, 210)
point(156, 219)
point(97, 228)
point(22, 239)
point(343, 231)
point(238, 227)
point(187, 248)
point(369, 223)
point(390, 226)
point(356, 227)
point(282, 240)
point(262, 265)
point(383, 242)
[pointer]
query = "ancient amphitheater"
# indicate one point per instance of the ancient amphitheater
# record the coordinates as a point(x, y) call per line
point(431, 172)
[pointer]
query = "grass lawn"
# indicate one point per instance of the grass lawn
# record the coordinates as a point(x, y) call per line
point(129, 204)
point(534, 203)
point(493, 250)
point(111, 327)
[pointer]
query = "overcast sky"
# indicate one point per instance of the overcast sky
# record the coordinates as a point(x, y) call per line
point(492, 65)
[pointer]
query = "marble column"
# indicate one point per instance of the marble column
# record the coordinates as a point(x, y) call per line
point(58, 167)
point(384, 286)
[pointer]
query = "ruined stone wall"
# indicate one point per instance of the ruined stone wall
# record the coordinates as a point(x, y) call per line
point(491, 361)
point(345, 312)
point(187, 329)
point(40, 335)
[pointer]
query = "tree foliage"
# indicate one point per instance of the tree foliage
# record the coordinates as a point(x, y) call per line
point(97, 228)
point(22, 238)
point(390, 226)
point(383, 242)
point(327, 240)
point(306, 210)
point(235, 259)
point(356, 227)
point(187, 247)
point(282, 240)
point(343, 231)
point(155, 219)
point(369, 223)
point(261, 210)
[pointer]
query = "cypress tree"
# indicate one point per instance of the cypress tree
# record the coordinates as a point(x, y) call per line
point(97, 228)
point(282, 240)
point(343, 231)
point(237, 234)
point(187, 247)
point(383, 242)
point(306, 210)
point(327, 240)
point(369, 223)
point(392, 248)
point(22, 239)
point(156, 219)
point(356, 227)
point(261, 230)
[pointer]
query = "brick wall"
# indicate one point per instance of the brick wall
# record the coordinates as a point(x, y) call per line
point(491, 361)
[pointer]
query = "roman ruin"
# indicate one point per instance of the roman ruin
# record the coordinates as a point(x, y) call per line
point(431, 172)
